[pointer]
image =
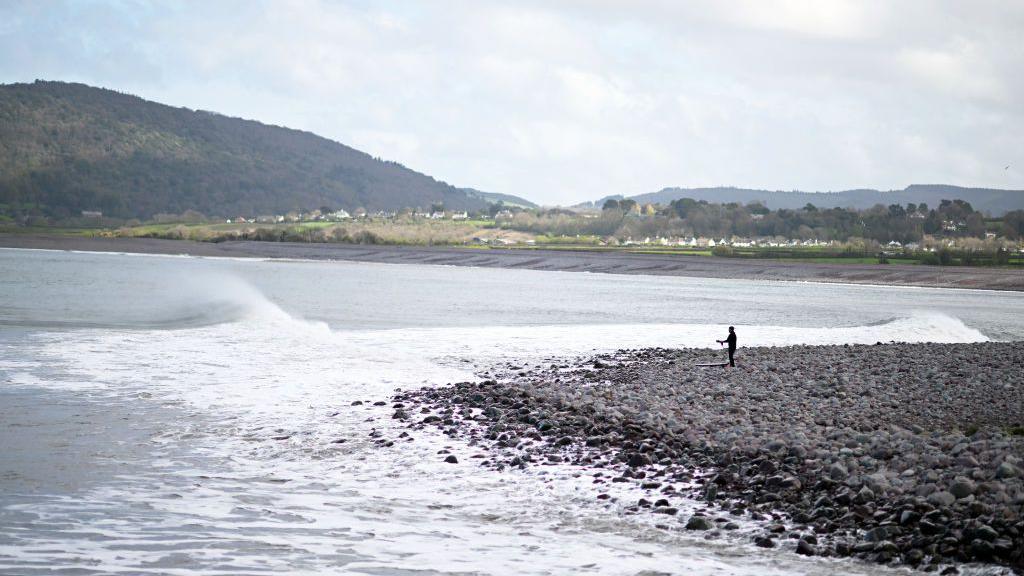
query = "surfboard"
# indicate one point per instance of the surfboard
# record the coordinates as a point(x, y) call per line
point(713, 364)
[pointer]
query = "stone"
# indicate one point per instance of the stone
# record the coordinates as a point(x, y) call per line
point(886, 549)
point(941, 498)
point(791, 483)
point(451, 459)
point(878, 534)
point(928, 527)
point(865, 494)
point(962, 487)
point(638, 460)
point(914, 556)
point(909, 517)
point(985, 532)
point(764, 541)
point(982, 549)
point(698, 523)
point(838, 472)
point(804, 548)
point(1007, 470)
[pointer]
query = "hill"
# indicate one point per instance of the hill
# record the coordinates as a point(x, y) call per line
point(65, 148)
point(495, 197)
point(995, 201)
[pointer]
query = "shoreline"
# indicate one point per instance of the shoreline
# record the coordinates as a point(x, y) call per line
point(551, 260)
point(831, 450)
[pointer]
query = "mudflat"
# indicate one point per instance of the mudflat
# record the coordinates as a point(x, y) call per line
point(547, 259)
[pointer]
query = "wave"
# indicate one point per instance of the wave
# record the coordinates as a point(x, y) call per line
point(200, 299)
point(538, 343)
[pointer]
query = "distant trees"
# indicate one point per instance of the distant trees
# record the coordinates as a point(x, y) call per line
point(1013, 225)
point(685, 216)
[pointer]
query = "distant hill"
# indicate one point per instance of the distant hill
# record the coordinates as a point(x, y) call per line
point(494, 197)
point(70, 147)
point(995, 201)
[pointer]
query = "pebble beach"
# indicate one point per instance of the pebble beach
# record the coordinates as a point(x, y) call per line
point(893, 453)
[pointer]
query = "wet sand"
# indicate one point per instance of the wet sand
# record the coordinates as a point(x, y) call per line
point(542, 259)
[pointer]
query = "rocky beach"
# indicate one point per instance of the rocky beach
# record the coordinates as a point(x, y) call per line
point(893, 453)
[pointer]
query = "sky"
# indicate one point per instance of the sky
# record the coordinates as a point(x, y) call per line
point(562, 101)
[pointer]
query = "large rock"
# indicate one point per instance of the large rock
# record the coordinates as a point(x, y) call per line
point(698, 523)
point(804, 548)
point(941, 498)
point(1007, 470)
point(838, 472)
point(962, 487)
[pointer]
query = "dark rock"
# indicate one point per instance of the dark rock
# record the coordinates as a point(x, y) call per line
point(638, 460)
point(909, 517)
point(804, 548)
point(962, 487)
point(913, 557)
point(838, 472)
point(886, 550)
point(879, 534)
point(1007, 470)
point(941, 498)
point(452, 459)
point(986, 533)
point(982, 549)
point(698, 523)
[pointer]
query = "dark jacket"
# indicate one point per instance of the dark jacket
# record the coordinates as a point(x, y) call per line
point(731, 340)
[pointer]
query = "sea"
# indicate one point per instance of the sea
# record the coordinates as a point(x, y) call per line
point(180, 415)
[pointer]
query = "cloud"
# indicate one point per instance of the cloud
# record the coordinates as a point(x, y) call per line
point(845, 19)
point(961, 70)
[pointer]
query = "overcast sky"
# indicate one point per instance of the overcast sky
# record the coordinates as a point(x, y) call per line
point(564, 101)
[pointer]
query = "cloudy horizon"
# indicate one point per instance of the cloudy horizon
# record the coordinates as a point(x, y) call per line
point(569, 101)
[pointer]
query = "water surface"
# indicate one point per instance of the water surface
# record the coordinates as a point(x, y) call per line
point(171, 415)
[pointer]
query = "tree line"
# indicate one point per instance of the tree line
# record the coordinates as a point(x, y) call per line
point(686, 217)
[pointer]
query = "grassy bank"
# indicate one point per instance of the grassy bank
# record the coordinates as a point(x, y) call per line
point(486, 234)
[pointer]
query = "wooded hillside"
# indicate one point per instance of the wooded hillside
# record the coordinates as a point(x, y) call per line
point(65, 148)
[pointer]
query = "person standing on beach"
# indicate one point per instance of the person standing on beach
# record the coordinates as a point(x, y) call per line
point(731, 340)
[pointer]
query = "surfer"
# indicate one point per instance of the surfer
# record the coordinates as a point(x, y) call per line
point(731, 340)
